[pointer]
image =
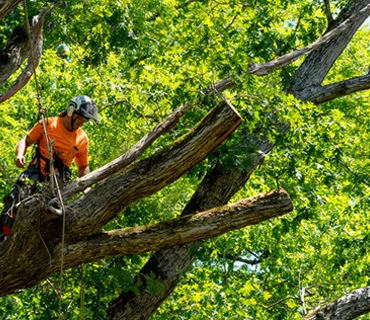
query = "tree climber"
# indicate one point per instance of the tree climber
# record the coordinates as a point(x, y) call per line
point(70, 143)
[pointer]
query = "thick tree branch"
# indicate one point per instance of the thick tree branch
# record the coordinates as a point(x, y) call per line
point(344, 30)
point(343, 88)
point(18, 50)
point(168, 265)
point(314, 69)
point(129, 157)
point(91, 212)
point(178, 231)
point(348, 307)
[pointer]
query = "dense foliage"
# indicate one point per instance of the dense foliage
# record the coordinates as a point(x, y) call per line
point(141, 59)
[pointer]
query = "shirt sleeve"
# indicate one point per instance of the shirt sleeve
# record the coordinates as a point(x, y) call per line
point(36, 132)
point(82, 156)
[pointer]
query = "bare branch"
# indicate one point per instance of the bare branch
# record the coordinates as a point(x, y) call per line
point(328, 14)
point(332, 91)
point(274, 304)
point(350, 306)
point(265, 68)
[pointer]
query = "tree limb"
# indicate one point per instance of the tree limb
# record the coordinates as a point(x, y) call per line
point(314, 69)
point(332, 91)
point(18, 50)
point(168, 265)
point(348, 26)
point(178, 231)
point(348, 307)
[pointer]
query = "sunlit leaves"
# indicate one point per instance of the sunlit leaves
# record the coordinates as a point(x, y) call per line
point(139, 60)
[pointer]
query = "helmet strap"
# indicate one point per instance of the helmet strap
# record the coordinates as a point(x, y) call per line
point(72, 121)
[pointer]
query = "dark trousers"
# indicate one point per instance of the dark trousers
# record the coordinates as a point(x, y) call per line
point(28, 183)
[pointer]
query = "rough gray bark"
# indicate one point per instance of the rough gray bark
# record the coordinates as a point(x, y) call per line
point(218, 187)
point(348, 307)
point(39, 230)
point(339, 89)
point(182, 230)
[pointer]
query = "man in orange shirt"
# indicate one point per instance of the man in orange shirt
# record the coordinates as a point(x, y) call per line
point(70, 143)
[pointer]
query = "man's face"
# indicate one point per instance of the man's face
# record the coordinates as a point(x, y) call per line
point(78, 121)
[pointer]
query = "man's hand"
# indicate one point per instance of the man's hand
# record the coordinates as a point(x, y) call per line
point(20, 161)
point(83, 171)
point(20, 151)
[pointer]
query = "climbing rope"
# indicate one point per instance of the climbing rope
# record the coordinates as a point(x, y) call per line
point(53, 178)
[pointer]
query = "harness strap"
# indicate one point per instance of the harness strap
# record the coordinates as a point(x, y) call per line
point(63, 170)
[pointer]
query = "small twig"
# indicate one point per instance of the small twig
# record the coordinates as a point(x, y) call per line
point(281, 301)
point(329, 16)
point(358, 176)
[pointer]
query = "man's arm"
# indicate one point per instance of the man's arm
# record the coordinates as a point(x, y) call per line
point(21, 150)
point(82, 171)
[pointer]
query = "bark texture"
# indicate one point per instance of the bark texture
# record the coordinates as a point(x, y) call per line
point(6, 6)
point(348, 307)
point(182, 230)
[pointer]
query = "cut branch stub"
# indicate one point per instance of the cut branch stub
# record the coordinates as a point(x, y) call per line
point(129, 157)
